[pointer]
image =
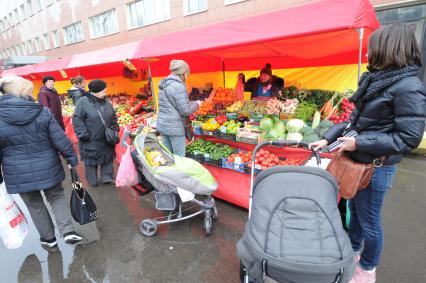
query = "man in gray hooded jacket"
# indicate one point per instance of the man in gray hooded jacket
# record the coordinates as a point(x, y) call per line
point(174, 106)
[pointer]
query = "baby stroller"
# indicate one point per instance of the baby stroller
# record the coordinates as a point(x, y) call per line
point(169, 173)
point(294, 232)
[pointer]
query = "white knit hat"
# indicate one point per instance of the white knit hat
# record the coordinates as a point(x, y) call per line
point(179, 67)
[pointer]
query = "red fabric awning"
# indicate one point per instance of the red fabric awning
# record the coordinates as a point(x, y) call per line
point(323, 29)
point(103, 56)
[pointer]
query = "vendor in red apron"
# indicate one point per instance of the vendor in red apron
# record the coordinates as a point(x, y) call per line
point(267, 85)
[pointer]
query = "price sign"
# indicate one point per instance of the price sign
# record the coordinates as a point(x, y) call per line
point(237, 160)
point(257, 166)
point(206, 156)
point(196, 152)
point(222, 129)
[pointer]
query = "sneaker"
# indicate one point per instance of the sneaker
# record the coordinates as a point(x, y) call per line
point(72, 238)
point(363, 276)
point(49, 244)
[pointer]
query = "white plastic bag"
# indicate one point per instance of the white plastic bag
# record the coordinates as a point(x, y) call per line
point(127, 175)
point(13, 224)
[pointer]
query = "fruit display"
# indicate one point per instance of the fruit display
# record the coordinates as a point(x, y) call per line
point(235, 106)
point(224, 95)
point(205, 108)
point(68, 110)
point(346, 110)
point(138, 120)
point(215, 151)
point(289, 106)
point(253, 107)
point(124, 119)
point(210, 125)
point(232, 127)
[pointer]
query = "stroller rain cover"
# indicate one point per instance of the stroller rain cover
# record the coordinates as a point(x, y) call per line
point(180, 171)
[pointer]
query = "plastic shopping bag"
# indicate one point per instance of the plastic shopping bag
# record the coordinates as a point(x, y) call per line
point(13, 224)
point(127, 175)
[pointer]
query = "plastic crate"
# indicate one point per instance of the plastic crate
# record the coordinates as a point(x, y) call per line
point(256, 117)
point(236, 167)
point(231, 116)
point(209, 133)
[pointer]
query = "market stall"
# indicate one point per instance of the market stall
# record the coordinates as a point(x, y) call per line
point(317, 49)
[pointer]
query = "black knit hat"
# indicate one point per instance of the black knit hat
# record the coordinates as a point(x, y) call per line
point(46, 78)
point(97, 86)
point(267, 70)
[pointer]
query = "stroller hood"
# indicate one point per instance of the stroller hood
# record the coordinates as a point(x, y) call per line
point(295, 226)
point(181, 172)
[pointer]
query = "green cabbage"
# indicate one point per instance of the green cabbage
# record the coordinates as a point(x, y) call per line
point(295, 125)
point(266, 124)
point(294, 137)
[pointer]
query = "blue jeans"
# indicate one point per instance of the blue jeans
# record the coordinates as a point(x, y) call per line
point(366, 221)
point(176, 144)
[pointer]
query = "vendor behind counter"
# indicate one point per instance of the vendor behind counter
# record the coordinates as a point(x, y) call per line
point(266, 85)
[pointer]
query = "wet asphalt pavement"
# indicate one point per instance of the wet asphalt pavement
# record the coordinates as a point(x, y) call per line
point(115, 251)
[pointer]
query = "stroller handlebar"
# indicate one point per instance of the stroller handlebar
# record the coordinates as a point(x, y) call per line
point(286, 144)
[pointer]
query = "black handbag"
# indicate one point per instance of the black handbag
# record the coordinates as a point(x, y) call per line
point(111, 135)
point(83, 208)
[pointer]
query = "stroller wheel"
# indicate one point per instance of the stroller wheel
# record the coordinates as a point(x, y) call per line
point(208, 225)
point(244, 277)
point(214, 213)
point(148, 227)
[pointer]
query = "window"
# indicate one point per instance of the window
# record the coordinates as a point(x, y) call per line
point(55, 38)
point(24, 49)
point(22, 12)
point(46, 41)
point(37, 5)
point(37, 44)
point(29, 47)
point(16, 16)
point(11, 20)
point(28, 9)
point(146, 12)
point(194, 6)
point(103, 24)
point(73, 33)
point(229, 2)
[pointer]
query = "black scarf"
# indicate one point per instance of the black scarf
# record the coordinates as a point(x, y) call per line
point(372, 84)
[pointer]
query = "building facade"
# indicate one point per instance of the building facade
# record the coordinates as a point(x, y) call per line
point(56, 29)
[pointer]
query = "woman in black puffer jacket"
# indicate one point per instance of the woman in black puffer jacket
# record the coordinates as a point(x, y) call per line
point(90, 130)
point(30, 140)
point(390, 120)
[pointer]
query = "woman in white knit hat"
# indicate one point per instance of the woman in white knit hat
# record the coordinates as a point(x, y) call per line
point(174, 107)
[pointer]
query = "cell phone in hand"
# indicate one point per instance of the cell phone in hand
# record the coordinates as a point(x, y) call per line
point(337, 144)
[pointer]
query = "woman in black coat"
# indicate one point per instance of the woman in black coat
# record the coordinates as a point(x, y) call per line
point(90, 129)
point(390, 120)
point(30, 140)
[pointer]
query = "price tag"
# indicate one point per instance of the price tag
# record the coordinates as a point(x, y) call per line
point(257, 166)
point(237, 160)
point(206, 156)
point(222, 129)
point(196, 152)
point(210, 133)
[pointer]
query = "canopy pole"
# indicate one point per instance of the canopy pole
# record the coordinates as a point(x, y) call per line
point(361, 38)
point(151, 86)
point(223, 72)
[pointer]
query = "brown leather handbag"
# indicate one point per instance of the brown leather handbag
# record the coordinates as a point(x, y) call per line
point(352, 176)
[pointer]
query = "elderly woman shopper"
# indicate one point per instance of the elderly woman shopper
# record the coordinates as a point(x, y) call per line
point(390, 120)
point(174, 107)
point(93, 114)
point(30, 139)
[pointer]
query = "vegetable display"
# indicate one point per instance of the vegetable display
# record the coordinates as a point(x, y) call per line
point(214, 150)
